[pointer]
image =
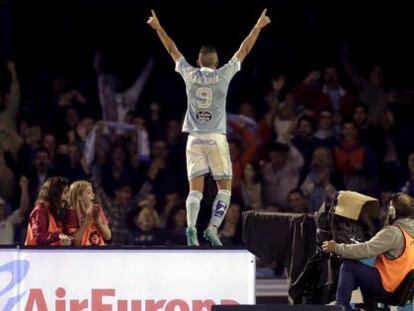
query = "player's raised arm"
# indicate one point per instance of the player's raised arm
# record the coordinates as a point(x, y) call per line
point(250, 40)
point(165, 39)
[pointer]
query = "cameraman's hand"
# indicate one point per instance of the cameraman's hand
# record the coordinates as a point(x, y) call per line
point(329, 246)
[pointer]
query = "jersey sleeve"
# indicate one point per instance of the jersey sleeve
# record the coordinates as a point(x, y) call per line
point(183, 67)
point(230, 69)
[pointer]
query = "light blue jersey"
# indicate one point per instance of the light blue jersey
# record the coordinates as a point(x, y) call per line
point(206, 90)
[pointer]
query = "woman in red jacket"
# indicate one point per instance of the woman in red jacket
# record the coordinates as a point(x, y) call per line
point(48, 216)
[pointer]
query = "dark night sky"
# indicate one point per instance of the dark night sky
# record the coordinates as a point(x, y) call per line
point(62, 36)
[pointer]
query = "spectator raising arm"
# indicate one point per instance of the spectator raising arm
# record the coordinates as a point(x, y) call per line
point(24, 196)
point(353, 74)
point(133, 94)
point(11, 101)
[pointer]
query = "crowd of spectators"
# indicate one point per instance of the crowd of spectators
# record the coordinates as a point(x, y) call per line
point(317, 135)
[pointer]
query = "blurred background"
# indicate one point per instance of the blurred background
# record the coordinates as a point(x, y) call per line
point(323, 102)
point(49, 37)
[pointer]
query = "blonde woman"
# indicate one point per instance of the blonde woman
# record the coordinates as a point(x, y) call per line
point(87, 222)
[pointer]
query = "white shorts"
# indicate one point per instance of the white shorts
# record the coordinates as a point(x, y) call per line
point(208, 153)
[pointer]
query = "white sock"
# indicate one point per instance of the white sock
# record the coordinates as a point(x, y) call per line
point(220, 206)
point(192, 205)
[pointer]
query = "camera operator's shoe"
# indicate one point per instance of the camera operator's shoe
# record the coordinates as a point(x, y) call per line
point(211, 235)
point(192, 239)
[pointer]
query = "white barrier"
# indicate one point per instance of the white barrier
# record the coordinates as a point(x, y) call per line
point(125, 279)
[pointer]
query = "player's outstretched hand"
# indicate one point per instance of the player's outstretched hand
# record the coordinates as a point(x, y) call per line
point(263, 19)
point(153, 20)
